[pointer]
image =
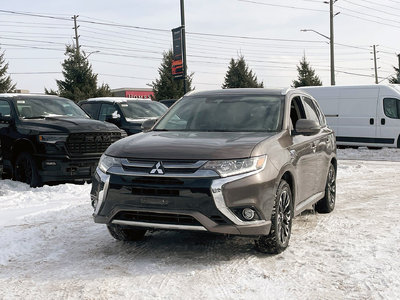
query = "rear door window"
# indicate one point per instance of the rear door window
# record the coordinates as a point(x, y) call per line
point(92, 109)
point(391, 107)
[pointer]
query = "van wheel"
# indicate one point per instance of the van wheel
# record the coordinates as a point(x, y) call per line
point(281, 219)
point(26, 170)
point(126, 234)
point(327, 204)
point(398, 142)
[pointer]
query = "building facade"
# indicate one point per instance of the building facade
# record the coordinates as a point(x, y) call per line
point(141, 93)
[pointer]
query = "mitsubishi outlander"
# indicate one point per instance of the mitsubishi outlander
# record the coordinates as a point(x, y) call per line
point(233, 161)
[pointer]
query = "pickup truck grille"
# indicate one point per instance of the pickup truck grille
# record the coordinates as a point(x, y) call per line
point(86, 143)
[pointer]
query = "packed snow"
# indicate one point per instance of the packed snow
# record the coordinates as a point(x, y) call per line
point(51, 249)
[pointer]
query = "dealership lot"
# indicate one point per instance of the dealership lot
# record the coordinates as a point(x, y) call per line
point(51, 248)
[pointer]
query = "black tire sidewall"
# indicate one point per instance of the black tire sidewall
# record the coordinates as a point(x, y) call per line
point(35, 179)
point(283, 186)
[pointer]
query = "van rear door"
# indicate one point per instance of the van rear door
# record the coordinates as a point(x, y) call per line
point(357, 115)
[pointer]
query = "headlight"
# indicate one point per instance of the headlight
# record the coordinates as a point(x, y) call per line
point(236, 166)
point(106, 162)
point(53, 138)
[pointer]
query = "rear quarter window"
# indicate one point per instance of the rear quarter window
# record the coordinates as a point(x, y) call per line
point(5, 108)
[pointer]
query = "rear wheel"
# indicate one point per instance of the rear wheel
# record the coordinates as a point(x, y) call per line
point(26, 170)
point(281, 222)
point(126, 234)
point(327, 204)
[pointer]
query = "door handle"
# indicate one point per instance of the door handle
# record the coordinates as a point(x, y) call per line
point(383, 121)
point(314, 146)
point(371, 121)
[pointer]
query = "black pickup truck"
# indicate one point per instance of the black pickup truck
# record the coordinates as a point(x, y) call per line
point(50, 139)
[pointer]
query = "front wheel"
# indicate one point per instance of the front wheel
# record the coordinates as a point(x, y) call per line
point(327, 204)
point(26, 170)
point(126, 234)
point(281, 222)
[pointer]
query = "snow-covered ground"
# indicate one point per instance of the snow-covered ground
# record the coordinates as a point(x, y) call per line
point(51, 249)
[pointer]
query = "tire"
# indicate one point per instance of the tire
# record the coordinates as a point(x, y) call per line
point(282, 216)
point(126, 234)
point(25, 170)
point(327, 204)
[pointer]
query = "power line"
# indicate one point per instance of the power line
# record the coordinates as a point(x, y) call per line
point(370, 8)
point(283, 6)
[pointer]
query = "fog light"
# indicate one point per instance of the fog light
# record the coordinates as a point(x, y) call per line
point(50, 163)
point(248, 214)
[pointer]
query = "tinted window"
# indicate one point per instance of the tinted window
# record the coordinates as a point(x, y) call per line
point(5, 108)
point(391, 107)
point(91, 108)
point(33, 108)
point(311, 110)
point(142, 110)
point(107, 110)
point(224, 113)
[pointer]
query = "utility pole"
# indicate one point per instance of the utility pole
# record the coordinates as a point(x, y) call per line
point(375, 65)
point(76, 34)
point(398, 57)
point(331, 41)
point(183, 46)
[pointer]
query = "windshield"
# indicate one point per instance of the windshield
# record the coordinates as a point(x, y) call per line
point(36, 108)
point(235, 113)
point(142, 110)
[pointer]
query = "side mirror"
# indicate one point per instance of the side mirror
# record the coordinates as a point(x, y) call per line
point(113, 119)
point(307, 127)
point(5, 119)
point(148, 124)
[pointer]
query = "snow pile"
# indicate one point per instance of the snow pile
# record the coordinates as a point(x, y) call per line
point(363, 153)
point(50, 248)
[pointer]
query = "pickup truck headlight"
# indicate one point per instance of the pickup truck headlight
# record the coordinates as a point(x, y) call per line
point(227, 168)
point(53, 138)
point(106, 162)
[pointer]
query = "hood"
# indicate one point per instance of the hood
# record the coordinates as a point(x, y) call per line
point(67, 125)
point(187, 145)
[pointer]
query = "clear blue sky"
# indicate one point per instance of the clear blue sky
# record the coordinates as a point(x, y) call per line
point(130, 57)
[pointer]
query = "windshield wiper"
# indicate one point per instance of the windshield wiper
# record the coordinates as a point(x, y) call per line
point(35, 117)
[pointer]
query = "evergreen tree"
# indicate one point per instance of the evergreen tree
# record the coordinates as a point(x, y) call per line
point(79, 80)
point(6, 85)
point(239, 76)
point(395, 79)
point(306, 75)
point(166, 87)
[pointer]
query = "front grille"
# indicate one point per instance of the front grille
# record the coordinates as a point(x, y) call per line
point(163, 166)
point(151, 217)
point(154, 192)
point(85, 143)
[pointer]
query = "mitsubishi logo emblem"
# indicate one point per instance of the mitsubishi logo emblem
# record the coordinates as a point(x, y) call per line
point(157, 169)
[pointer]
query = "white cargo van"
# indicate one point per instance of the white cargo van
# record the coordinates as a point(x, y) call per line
point(363, 115)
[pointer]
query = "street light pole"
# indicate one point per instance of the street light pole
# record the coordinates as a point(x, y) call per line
point(183, 46)
point(331, 41)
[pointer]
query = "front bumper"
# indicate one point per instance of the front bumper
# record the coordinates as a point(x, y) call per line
point(64, 168)
point(183, 203)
